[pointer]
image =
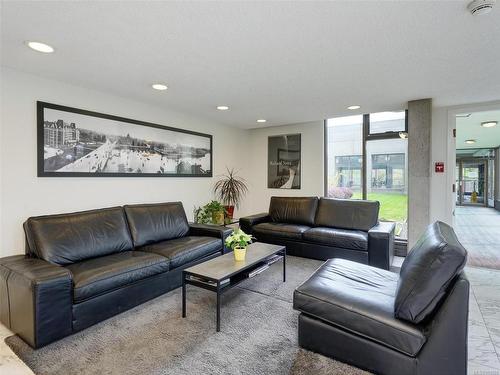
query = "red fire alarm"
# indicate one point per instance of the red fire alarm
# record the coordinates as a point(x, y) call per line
point(439, 167)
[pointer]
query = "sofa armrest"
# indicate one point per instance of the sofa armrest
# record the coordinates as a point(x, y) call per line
point(211, 231)
point(247, 222)
point(36, 299)
point(381, 245)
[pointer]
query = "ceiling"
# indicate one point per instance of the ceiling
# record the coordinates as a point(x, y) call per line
point(470, 128)
point(287, 62)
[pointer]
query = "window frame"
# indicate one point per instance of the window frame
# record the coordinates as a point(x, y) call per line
point(366, 137)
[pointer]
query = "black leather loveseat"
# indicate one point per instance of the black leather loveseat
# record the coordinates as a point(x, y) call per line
point(325, 228)
point(81, 268)
point(412, 323)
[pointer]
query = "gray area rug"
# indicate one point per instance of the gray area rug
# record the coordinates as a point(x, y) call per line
point(258, 335)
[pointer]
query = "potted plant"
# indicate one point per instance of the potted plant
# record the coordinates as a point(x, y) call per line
point(238, 241)
point(218, 212)
point(230, 189)
point(211, 213)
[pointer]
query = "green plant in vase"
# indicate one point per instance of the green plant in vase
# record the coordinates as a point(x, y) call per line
point(211, 213)
point(230, 190)
point(238, 242)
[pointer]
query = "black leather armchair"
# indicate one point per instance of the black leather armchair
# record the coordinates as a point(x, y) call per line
point(412, 323)
point(81, 268)
point(325, 228)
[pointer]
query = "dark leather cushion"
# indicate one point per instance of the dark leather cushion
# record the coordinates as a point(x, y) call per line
point(280, 230)
point(69, 238)
point(97, 276)
point(429, 268)
point(183, 250)
point(151, 223)
point(359, 299)
point(293, 210)
point(343, 238)
point(347, 213)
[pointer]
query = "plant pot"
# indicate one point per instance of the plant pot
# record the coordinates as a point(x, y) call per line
point(218, 218)
point(239, 253)
point(230, 211)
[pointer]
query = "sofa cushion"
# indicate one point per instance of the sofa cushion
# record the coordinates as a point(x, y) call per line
point(183, 250)
point(343, 238)
point(68, 238)
point(347, 213)
point(293, 210)
point(280, 230)
point(359, 299)
point(97, 276)
point(429, 268)
point(151, 223)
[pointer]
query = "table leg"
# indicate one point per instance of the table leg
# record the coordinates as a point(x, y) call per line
point(284, 265)
point(218, 306)
point(183, 295)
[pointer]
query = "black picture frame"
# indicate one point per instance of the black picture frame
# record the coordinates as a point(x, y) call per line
point(42, 171)
point(284, 153)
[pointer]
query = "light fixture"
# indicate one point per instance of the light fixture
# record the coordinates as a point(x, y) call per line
point(40, 47)
point(222, 107)
point(261, 120)
point(403, 135)
point(353, 107)
point(481, 7)
point(159, 86)
point(489, 124)
point(470, 141)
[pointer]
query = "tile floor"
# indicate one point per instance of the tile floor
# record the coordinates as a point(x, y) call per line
point(484, 327)
point(478, 228)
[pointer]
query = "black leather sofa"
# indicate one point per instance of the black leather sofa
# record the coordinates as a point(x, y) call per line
point(325, 228)
point(81, 268)
point(412, 323)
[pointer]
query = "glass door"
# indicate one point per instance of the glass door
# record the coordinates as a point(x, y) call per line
point(472, 182)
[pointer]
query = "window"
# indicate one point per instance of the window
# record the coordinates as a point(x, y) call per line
point(388, 171)
point(387, 122)
point(373, 140)
point(349, 171)
point(345, 161)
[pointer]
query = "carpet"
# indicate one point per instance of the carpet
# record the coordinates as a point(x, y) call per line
point(258, 335)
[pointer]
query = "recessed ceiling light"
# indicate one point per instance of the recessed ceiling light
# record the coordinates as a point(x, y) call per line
point(261, 120)
point(352, 107)
point(40, 47)
point(470, 141)
point(159, 86)
point(489, 124)
point(222, 107)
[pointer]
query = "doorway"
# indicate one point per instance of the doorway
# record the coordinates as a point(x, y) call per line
point(477, 181)
point(472, 182)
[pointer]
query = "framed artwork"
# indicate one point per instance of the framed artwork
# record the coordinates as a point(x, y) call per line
point(78, 143)
point(283, 166)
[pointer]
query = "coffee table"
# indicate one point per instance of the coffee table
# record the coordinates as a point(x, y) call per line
point(223, 273)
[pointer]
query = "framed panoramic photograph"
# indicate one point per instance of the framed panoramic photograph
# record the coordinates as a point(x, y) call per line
point(78, 143)
point(283, 167)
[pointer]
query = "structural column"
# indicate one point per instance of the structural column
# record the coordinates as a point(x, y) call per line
point(419, 167)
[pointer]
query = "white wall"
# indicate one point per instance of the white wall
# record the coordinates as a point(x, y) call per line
point(312, 166)
point(23, 194)
point(441, 183)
